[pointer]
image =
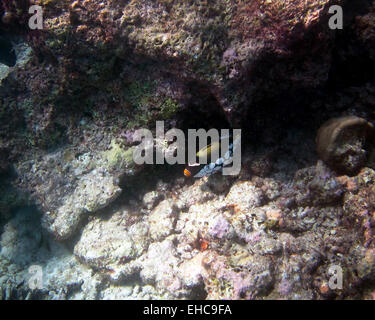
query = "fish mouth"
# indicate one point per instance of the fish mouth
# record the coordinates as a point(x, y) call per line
point(187, 173)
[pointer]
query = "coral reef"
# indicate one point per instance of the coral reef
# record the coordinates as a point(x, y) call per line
point(341, 143)
point(238, 245)
point(74, 205)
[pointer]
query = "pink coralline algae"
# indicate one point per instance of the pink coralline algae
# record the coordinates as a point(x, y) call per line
point(220, 228)
point(128, 136)
point(285, 287)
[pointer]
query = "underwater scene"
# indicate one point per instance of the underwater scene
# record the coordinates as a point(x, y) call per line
point(187, 150)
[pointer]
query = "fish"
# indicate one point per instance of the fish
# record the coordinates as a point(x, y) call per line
point(197, 170)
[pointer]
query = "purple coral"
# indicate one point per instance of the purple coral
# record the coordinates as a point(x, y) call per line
point(128, 135)
point(253, 237)
point(220, 228)
point(229, 56)
point(285, 287)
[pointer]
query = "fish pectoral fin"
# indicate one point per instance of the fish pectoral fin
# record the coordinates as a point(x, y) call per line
point(206, 150)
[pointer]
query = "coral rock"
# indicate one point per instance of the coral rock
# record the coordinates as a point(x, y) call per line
point(342, 143)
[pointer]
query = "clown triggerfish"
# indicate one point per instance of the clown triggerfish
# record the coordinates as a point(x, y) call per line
point(198, 170)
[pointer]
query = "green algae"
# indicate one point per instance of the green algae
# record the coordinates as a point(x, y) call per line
point(138, 93)
point(169, 108)
point(147, 106)
point(117, 157)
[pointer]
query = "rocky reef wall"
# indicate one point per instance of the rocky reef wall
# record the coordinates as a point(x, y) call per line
point(73, 93)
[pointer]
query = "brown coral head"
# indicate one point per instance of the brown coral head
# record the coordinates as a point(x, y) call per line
point(344, 143)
